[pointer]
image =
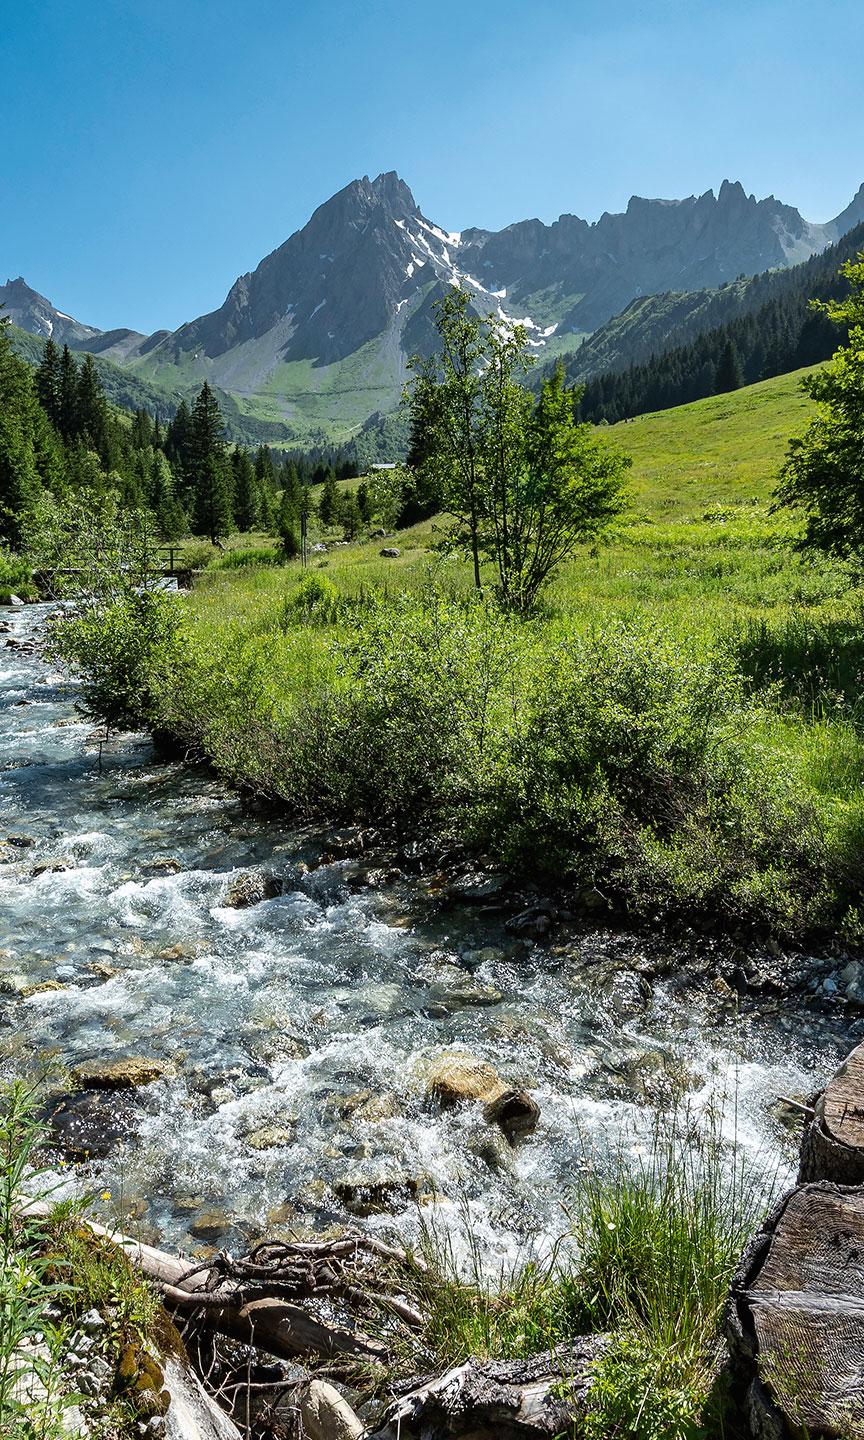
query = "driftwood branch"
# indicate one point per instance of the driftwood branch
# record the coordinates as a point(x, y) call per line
point(254, 1299)
point(536, 1399)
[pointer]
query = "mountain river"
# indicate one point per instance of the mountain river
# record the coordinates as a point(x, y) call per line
point(296, 1034)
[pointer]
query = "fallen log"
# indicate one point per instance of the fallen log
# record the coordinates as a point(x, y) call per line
point(535, 1399)
point(278, 1326)
point(795, 1322)
point(832, 1147)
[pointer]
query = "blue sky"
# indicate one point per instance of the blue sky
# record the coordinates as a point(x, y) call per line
point(152, 150)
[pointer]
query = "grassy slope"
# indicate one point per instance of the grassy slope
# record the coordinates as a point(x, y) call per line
point(698, 546)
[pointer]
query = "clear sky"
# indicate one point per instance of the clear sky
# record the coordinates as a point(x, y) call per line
point(152, 150)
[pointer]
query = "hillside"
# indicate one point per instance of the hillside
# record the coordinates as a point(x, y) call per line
point(723, 450)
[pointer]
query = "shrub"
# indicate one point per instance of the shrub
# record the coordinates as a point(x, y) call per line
point(112, 647)
point(16, 577)
point(30, 1338)
point(637, 768)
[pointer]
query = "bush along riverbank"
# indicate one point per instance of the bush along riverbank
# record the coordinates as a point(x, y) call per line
point(633, 770)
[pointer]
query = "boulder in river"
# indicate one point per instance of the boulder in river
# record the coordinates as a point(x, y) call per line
point(127, 1074)
point(457, 1078)
point(251, 888)
point(364, 1195)
point(90, 1124)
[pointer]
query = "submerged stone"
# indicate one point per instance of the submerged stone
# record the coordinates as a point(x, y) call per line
point(127, 1074)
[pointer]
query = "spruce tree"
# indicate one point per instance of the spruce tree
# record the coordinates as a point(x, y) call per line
point(91, 412)
point(247, 512)
point(210, 472)
point(349, 515)
point(48, 382)
point(730, 376)
point(328, 503)
point(364, 504)
point(67, 419)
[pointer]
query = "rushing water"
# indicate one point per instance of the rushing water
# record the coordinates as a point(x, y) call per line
point(299, 1031)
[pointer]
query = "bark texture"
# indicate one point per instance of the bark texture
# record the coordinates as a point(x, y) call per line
point(536, 1399)
point(833, 1144)
point(796, 1317)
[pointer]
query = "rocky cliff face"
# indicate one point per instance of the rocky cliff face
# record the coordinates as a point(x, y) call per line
point(30, 311)
point(353, 289)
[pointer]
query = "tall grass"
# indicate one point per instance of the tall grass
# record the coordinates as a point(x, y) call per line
point(30, 1335)
point(656, 1233)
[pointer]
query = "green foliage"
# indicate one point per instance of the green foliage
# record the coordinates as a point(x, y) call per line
point(29, 1338)
point(99, 1276)
point(657, 1232)
point(247, 557)
point(525, 482)
point(208, 467)
point(112, 646)
point(822, 477)
point(16, 577)
point(328, 501)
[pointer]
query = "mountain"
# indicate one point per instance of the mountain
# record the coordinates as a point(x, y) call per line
point(653, 324)
point(30, 311)
point(315, 340)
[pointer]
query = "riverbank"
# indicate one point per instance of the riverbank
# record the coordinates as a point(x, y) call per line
point(291, 1037)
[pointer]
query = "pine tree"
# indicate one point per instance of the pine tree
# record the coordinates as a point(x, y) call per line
point(247, 514)
point(48, 382)
point(171, 519)
point(364, 504)
point(67, 418)
point(91, 412)
point(730, 376)
point(349, 515)
point(328, 503)
point(210, 472)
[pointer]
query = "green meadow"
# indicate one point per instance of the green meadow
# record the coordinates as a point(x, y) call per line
point(677, 731)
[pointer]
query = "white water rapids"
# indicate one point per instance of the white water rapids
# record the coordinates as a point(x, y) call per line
point(298, 1031)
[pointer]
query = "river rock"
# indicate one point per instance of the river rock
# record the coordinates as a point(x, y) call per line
point(851, 980)
point(210, 1224)
point(363, 1105)
point(365, 1195)
point(90, 1124)
point(454, 989)
point(325, 1415)
point(251, 888)
point(533, 923)
point(128, 1074)
point(164, 865)
point(457, 1078)
point(269, 1137)
point(477, 887)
